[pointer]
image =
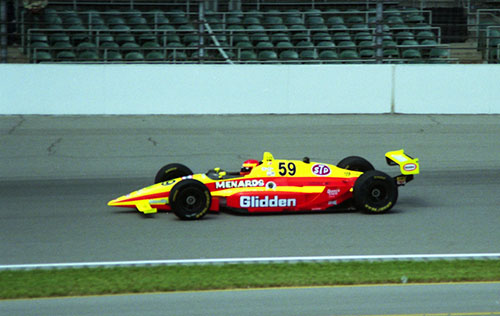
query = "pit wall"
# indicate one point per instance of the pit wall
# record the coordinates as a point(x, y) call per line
point(61, 89)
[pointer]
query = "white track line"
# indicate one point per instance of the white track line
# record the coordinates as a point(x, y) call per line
point(251, 260)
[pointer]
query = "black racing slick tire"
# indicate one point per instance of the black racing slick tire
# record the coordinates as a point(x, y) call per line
point(190, 199)
point(355, 163)
point(172, 171)
point(375, 192)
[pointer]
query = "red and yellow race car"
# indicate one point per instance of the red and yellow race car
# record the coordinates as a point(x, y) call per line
point(274, 185)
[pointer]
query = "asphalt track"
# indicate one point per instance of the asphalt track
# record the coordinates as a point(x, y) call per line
point(58, 173)
point(472, 299)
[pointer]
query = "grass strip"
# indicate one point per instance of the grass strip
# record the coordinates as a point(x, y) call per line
point(98, 281)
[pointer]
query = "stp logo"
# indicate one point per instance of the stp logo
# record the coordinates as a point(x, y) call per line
point(410, 167)
point(321, 170)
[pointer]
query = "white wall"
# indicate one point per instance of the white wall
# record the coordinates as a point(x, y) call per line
point(225, 89)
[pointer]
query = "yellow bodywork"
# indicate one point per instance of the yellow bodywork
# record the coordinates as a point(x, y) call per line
point(407, 164)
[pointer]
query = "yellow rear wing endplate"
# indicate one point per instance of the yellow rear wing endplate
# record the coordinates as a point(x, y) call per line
point(407, 164)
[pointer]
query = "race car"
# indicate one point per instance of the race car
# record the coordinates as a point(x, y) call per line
point(274, 185)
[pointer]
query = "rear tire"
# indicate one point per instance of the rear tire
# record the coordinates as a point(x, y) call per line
point(375, 192)
point(190, 199)
point(172, 171)
point(355, 163)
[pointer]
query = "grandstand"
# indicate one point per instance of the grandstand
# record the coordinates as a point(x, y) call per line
point(259, 31)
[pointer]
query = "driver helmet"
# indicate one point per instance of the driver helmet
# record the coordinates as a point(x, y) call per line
point(247, 166)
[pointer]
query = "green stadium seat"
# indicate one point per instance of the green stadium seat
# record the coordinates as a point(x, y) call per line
point(409, 43)
point(349, 54)
point(309, 54)
point(315, 20)
point(354, 19)
point(300, 36)
point(289, 55)
point(425, 35)
point(328, 45)
point(108, 46)
point(293, 20)
point(42, 56)
point(134, 56)
point(264, 45)
point(122, 38)
point(251, 20)
point(177, 56)
point(58, 37)
point(350, 45)
point(88, 56)
point(341, 36)
point(280, 37)
point(411, 53)
point(415, 19)
point(247, 55)
point(130, 47)
point(366, 44)
point(321, 37)
point(363, 36)
point(150, 46)
point(155, 56)
point(244, 46)
point(259, 37)
point(328, 54)
point(255, 27)
point(360, 27)
point(284, 46)
point(121, 27)
point(65, 55)
point(335, 20)
point(86, 46)
point(391, 53)
point(103, 38)
point(112, 56)
point(394, 19)
point(304, 44)
point(439, 53)
point(39, 46)
point(62, 46)
point(115, 20)
point(405, 35)
point(255, 13)
point(313, 12)
point(267, 55)
point(367, 53)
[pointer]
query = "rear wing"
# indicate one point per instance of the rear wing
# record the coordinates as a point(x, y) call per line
point(409, 166)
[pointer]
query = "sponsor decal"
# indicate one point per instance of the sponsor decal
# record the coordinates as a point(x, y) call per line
point(168, 182)
point(255, 201)
point(409, 167)
point(269, 171)
point(332, 202)
point(333, 192)
point(401, 180)
point(321, 170)
point(239, 184)
point(270, 185)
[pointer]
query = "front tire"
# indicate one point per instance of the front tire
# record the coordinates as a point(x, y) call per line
point(190, 199)
point(375, 192)
point(172, 171)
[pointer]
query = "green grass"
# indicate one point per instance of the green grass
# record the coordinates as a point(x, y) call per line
point(98, 281)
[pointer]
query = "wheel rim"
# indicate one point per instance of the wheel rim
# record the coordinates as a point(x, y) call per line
point(378, 193)
point(191, 199)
